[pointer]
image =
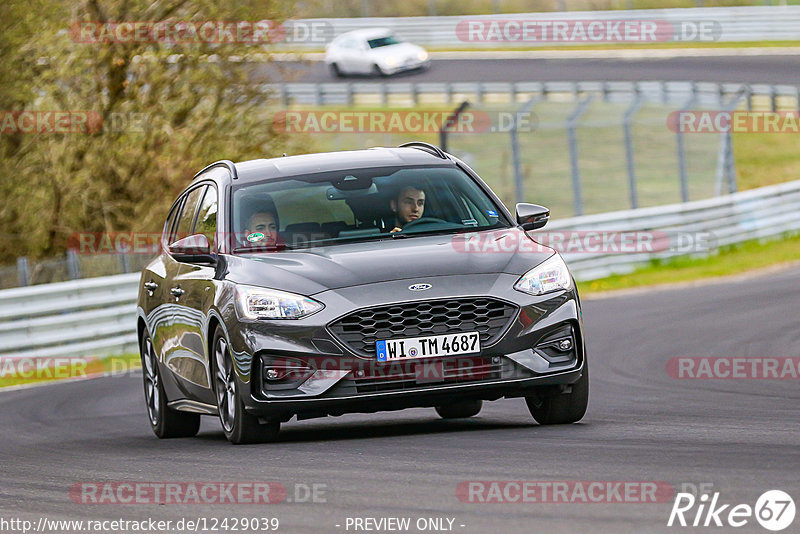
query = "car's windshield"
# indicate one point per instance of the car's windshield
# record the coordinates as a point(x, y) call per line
point(383, 41)
point(360, 205)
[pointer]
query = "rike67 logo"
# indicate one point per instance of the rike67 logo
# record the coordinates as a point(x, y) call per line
point(774, 510)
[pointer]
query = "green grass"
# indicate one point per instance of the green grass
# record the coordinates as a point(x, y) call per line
point(729, 260)
point(66, 368)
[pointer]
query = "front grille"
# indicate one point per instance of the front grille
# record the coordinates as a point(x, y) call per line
point(361, 329)
point(431, 372)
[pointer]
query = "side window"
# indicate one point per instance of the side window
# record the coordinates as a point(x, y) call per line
point(170, 224)
point(207, 216)
point(186, 221)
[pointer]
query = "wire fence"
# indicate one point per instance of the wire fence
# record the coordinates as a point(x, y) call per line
point(579, 148)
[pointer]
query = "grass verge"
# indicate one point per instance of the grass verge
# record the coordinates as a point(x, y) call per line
point(728, 260)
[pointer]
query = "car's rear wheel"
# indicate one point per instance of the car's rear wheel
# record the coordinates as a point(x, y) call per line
point(336, 71)
point(459, 410)
point(239, 426)
point(555, 407)
point(165, 422)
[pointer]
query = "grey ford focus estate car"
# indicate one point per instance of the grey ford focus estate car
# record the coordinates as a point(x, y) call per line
point(359, 281)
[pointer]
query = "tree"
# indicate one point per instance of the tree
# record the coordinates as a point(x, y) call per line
point(159, 109)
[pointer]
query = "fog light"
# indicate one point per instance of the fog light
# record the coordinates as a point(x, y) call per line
point(495, 359)
point(565, 344)
point(272, 374)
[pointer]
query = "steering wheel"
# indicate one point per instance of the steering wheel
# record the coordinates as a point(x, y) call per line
point(426, 220)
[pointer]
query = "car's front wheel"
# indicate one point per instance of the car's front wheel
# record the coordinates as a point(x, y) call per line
point(459, 410)
point(165, 422)
point(555, 407)
point(239, 426)
point(336, 71)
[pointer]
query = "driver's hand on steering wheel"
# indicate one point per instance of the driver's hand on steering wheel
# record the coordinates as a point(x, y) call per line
point(395, 229)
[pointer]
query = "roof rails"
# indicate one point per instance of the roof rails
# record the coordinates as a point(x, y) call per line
point(228, 164)
point(427, 147)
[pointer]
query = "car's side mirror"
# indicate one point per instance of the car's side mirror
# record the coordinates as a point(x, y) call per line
point(532, 216)
point(192, 249)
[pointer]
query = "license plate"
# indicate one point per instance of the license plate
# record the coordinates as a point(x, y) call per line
point(426, 347)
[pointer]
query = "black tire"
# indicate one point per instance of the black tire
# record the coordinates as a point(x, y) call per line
point(336, 71)
point(165, 422)
point(460, 410)
point(562, 408)
point(239, 426)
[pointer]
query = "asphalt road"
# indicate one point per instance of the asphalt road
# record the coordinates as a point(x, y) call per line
point(740, 436)
point(751, 69)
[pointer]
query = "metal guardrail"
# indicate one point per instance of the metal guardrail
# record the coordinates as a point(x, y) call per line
point(96, 316)
point(414, 93)
point(755, 23)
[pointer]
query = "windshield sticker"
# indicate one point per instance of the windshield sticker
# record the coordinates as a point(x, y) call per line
point(469, 222)
point(255, 236)
point(491, 213)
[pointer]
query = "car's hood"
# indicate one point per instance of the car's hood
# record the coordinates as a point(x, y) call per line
point(313, 270)
point(400, 51)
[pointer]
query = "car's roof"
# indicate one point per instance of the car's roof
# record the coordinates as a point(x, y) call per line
point(264, 169)
point(367, 33)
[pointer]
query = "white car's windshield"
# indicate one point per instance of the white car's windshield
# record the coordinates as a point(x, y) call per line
point(383, 41)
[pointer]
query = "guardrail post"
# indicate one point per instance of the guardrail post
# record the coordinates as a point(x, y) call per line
point(350, 98)
point(773, 98)
point(572, 122)
point(684, 178)
point(23, 276)
point(318, 95)
point(124, 262)
point(73, 265)
point(626, 129)
point(384, 95)
point(519, 189)
point(284, 95)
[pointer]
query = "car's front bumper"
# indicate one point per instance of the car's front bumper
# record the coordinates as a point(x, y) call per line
point(406, 66)
point(340, 380)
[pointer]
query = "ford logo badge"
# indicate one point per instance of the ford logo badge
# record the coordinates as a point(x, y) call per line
point(419, 287)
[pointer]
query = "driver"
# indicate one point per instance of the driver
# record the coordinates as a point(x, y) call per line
point(408, 205)
point(265, 223)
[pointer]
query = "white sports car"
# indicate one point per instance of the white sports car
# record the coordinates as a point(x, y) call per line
point(373, 51)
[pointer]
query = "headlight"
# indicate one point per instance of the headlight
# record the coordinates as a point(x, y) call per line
point(550, 275)
point(423, 55)
point(259, 303)
point(390, 61)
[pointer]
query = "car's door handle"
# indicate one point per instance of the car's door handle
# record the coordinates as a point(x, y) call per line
point(150, 286)
point(176, 291)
